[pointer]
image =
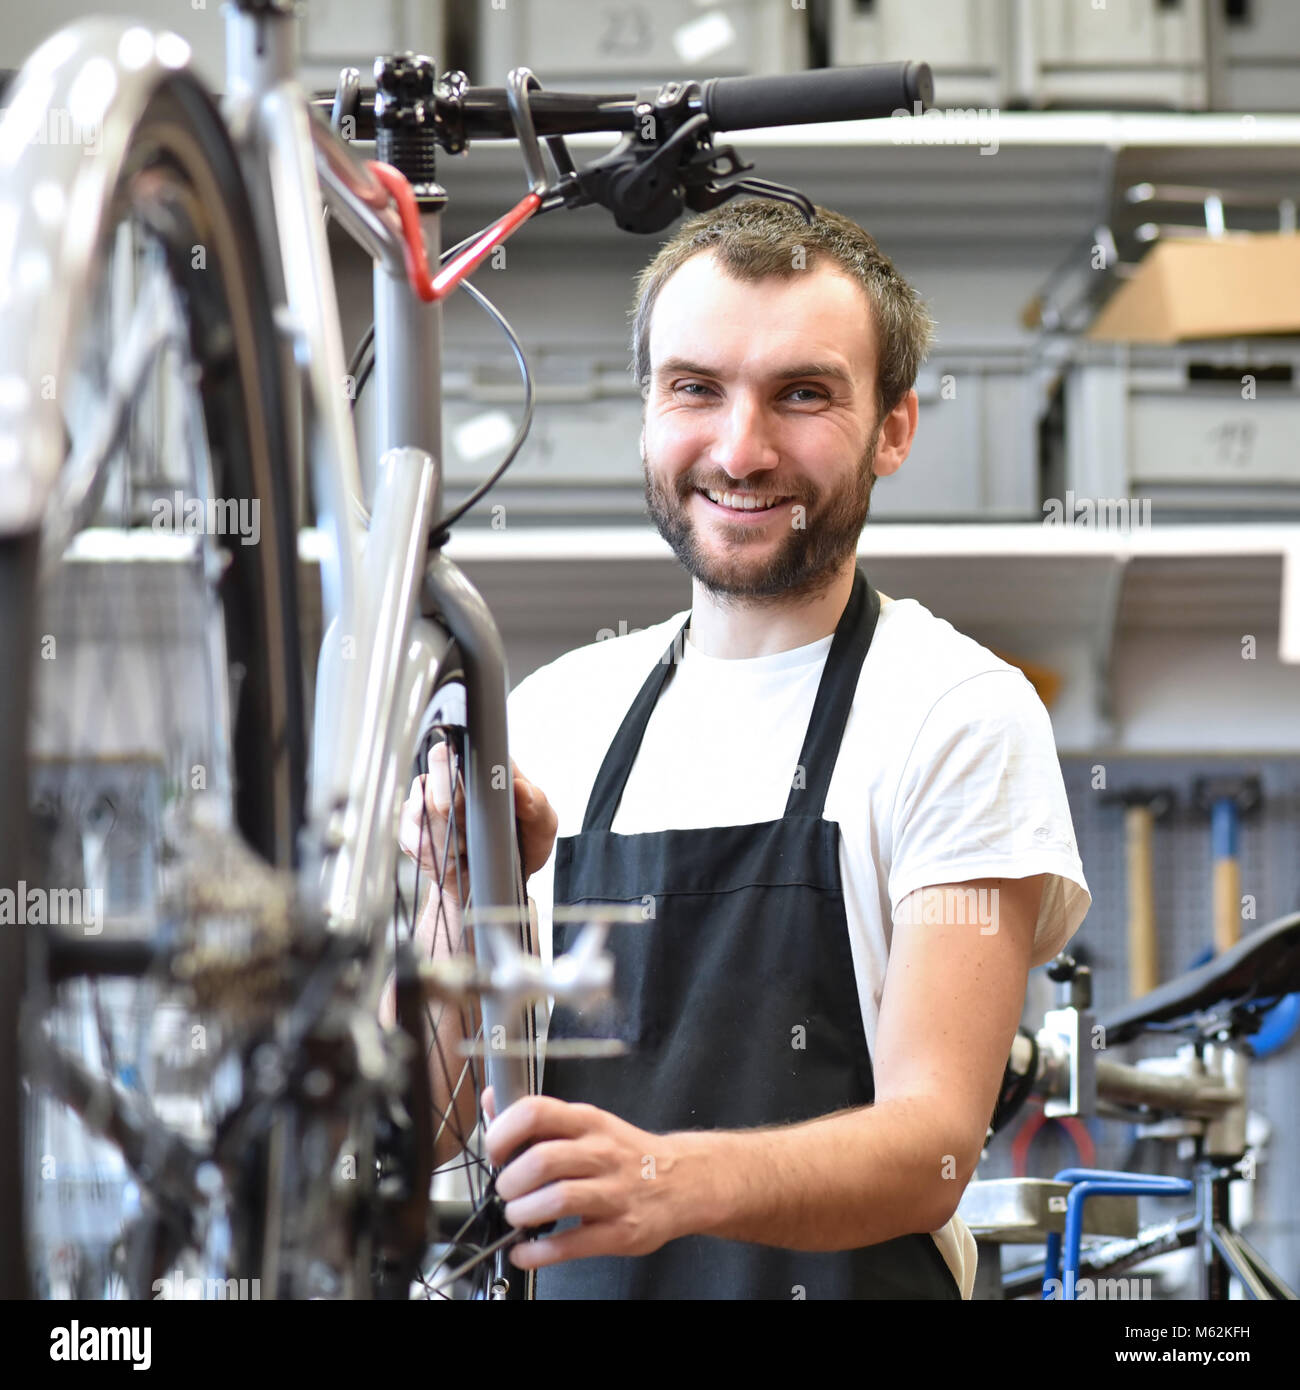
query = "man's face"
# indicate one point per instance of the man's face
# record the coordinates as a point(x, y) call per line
point(760, 426)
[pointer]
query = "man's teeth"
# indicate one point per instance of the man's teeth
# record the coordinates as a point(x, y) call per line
point(742, 501)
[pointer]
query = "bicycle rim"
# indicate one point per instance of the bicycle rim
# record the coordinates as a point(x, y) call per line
point(166, 691)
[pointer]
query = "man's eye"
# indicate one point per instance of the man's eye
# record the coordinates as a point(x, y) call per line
point(799, 395)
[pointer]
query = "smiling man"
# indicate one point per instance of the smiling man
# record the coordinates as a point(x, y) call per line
point(844, 822)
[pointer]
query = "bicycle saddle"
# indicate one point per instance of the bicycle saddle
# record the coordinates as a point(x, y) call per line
point(1252, 976)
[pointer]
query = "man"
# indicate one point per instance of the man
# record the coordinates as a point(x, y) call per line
point(844, 821)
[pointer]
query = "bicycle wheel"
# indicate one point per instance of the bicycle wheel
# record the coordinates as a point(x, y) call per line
point(153, 637)
point(464, 1257)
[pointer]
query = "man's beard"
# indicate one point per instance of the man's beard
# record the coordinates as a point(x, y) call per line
point(803, 566)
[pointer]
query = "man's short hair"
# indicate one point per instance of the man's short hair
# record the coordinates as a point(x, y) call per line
point(757, 238)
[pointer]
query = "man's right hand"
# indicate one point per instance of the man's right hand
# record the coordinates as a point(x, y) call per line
point(423, 832)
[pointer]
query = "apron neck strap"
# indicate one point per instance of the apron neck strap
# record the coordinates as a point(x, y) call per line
point(821, 745)
point(835, 692)
point(607, 791)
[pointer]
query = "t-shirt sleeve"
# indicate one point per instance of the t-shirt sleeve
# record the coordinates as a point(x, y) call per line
point(982, 796)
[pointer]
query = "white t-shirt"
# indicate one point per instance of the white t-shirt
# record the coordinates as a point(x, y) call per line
point(947, 772)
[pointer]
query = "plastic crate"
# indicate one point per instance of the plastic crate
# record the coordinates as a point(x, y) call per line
point(1256, 53)
point(1126, 53)
point(975, 455)
point(623, 44)
point(581, 460)
point(964, 42)
point(1205, 430)
point(337, 33)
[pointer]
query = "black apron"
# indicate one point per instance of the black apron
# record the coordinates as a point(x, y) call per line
point(737, 997)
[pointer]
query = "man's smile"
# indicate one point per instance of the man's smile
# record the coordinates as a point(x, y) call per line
point(743, 506)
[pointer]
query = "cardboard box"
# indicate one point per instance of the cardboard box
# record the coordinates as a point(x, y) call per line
point(1237, 285)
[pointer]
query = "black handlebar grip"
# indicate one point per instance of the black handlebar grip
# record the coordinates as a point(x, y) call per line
point(823, 94)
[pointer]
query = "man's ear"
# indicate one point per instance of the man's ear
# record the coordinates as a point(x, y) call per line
point(895, 435)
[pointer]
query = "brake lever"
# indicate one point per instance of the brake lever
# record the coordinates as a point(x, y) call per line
point(519, 82)
point(347, 101)
point(711, 195)
point(642, 183)
point(647, 187)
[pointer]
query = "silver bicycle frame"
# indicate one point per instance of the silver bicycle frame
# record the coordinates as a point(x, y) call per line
point(380, 657)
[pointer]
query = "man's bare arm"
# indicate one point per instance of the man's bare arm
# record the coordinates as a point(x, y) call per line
point(954, 992)
point(953, 997)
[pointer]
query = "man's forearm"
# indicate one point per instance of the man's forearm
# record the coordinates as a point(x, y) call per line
point(850, 1179)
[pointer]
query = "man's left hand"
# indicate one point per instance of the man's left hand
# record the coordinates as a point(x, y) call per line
point(582, 1161)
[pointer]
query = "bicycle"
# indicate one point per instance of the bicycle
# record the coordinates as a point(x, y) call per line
point(1199, 1096)
point(240, 1114)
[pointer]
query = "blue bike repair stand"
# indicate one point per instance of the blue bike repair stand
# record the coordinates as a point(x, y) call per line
point(1094, 1182)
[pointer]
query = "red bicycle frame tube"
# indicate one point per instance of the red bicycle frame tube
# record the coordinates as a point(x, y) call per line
point(433, 287)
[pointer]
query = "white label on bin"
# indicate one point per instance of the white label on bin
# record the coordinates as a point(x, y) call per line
point(483, 434)
point(703, 37)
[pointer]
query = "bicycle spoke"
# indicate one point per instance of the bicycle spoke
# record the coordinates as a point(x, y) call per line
point(480, 1258)
point(460, 1263)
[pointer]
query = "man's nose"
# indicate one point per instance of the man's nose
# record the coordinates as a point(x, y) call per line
point(743, 443)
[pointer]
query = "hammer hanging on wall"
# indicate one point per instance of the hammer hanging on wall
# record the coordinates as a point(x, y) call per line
point(1143, 806)
point(1227, 799)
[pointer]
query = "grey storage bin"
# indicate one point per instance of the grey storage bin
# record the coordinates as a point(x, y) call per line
point(331, 33)
point(975, 453)
point(964, 42)
point(1255, 50)
point(335, 34)
point(619, 45)
point(1204, 430)
point(1127, 53)
point(581, 461)
point(994, 53)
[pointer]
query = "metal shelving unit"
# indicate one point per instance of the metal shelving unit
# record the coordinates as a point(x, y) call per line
point(978, 234)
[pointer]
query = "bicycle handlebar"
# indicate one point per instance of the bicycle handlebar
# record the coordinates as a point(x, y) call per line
point(869, 92)
point(824, 94)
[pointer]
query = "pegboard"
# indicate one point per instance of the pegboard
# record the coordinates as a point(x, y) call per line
point(1270, 865)
point(1270, 871)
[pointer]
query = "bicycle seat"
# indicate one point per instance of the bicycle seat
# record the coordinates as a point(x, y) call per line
point(1258, 970)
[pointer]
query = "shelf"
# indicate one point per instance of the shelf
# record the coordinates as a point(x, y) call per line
point(1095, 608)
point(1005, 185)
point(1145, 630)
point(1108, 129)
point(1027, 588)
point(1003, 579)
point(955, 541)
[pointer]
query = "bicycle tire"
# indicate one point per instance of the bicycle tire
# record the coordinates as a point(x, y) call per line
point(180, 154)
